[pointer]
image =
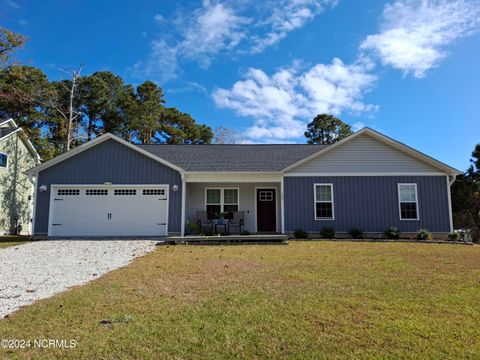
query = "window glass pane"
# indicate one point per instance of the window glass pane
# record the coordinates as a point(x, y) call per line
point(323, 193)
point(408, 210)
point(213, 211)
point(407, 193)
point(213, 196)
point(3, 160)
point(230, 196)
point(230, 209)
point(324, 210)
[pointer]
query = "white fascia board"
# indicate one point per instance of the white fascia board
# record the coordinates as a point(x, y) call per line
point(26, 141)
point(385, 139)
point(95, 142)
point(10, 122)
point(232, 177)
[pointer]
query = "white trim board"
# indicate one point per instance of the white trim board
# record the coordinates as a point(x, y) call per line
point(362, 174)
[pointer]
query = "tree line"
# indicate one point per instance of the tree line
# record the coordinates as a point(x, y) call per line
point(59, 115)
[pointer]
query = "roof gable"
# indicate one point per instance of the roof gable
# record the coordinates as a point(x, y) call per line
point(368, 151)
point(95, 142)
point(9, 127)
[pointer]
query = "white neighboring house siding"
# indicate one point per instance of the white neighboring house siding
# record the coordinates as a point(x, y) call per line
point(363, 155)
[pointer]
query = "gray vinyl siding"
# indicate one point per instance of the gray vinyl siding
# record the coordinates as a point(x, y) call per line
point(196, 200)
point(367, 202)
point(112, 162)
point(364, 154)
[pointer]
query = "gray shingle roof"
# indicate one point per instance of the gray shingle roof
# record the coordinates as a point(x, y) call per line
point(233, 157)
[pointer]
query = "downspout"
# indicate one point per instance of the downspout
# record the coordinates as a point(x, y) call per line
point(282, 204)
point(450, 180)
point(33, 178)
point(184, 188)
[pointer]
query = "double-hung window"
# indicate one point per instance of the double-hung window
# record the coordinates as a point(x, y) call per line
point(221, 201)
point(408, 201)
point(324, 209)
point(3, 160)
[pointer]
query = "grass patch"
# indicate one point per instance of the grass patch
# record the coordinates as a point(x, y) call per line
point(306, 300)
point(12, 240)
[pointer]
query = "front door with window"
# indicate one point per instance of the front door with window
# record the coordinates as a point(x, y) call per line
point(266, 210)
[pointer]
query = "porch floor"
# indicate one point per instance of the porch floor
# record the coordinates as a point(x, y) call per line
point(227, 239)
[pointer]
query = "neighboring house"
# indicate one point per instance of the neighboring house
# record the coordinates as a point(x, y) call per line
point(109, 187)
point(17, 156)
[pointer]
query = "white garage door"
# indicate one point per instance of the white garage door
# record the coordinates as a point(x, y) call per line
point(109, 211)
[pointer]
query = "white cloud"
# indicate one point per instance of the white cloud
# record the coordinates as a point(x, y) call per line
point(228, 27)
point(161, 64)
point(213, 28)
point(358, 125)
point(414, 33)
point(287, 16)
point(282, 103)
point(12, 4)
point(159, 18)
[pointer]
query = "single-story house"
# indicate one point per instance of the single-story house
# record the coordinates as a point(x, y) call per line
point(110, 187)
point(17, 156)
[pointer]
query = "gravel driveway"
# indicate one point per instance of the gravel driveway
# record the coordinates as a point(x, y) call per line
point(41, 269)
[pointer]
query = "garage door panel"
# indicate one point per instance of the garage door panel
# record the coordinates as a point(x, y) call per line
point(110, 211)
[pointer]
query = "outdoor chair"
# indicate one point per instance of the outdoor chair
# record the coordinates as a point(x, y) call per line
point(238, 220)
point(203, 221)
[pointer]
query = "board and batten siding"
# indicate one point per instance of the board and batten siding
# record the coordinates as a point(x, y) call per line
point(196, 200)
point(367, 202)
point(363, 154)
point(112, 162)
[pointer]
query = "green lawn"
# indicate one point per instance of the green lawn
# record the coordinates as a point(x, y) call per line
point(305, 300)
point(10, 240)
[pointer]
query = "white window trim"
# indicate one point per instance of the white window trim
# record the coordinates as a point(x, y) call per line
point(315, 201)
point(416, 202)
point(6, 165)
point(222, 199)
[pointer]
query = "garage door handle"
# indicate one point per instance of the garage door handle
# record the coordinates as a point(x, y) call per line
point(162, 224)
point(109, 216)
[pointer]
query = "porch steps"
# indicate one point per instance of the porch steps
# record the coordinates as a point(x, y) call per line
point(228, 240)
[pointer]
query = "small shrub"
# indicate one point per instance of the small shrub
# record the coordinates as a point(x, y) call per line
point(208, 232)
point(300, 234)
point(193, 229)
point(454, 236)
point(392, 233)
point(245, 232)
point(424, 234)
point(357, 233)
point(327, 233)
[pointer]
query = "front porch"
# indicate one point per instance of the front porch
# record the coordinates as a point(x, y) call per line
point(229, 239)
point(260, 202)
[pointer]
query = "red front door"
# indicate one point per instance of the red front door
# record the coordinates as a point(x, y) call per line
point(266, 210)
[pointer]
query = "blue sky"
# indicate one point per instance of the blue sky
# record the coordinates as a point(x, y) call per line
point(265, 68)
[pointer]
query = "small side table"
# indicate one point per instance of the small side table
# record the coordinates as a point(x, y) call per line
point(225, 227)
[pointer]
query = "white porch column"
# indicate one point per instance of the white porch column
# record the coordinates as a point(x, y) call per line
point(282, 206)
point(184, 198)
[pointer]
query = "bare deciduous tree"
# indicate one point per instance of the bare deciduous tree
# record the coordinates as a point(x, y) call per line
point(224, 135)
